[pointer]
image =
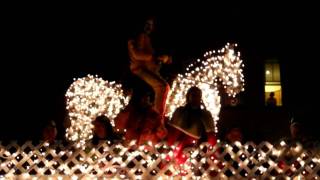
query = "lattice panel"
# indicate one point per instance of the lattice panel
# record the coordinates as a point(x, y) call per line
point(225, 161)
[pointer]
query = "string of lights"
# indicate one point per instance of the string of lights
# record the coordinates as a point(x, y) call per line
point(91, 96)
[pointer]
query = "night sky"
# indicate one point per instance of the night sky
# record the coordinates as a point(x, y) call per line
point(45, 49)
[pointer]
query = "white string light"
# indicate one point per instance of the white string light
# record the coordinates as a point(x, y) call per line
point(91, 96)
point(88, 98)
point(224, 65)
point(94, 163)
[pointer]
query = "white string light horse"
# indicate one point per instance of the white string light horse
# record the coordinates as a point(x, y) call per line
point(223, 65)
point(91, 96)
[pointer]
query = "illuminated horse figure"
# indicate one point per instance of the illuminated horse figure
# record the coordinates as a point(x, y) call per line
point(88, 98)
point(91, 96)
point(224, 65)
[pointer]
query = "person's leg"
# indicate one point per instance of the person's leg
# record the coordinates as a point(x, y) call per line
point(161, 94)
point(158, 84)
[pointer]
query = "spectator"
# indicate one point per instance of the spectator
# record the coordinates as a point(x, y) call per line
point(50, 132)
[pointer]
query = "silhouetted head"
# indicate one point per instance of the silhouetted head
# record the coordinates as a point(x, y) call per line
point(194, 97)
point(49, 133)
point(149, 25)
point(296, 130)
point(234, 134)
point(102, 127)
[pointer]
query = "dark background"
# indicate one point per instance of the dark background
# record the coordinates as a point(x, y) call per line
point(45, 48)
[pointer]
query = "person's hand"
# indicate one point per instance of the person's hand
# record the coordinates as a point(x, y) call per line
point(166, 59)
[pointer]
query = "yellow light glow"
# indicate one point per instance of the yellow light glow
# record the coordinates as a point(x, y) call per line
point(272, 88)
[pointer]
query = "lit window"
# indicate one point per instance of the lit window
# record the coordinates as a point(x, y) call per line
point(272, 87)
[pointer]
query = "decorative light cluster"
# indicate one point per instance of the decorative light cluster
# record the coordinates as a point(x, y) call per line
point(91, 96)
point(88, 98)
point(227, 67)
point(117, 161)
point(223, 65)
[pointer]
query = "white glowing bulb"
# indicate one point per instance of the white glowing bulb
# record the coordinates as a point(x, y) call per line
point(122, 176)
